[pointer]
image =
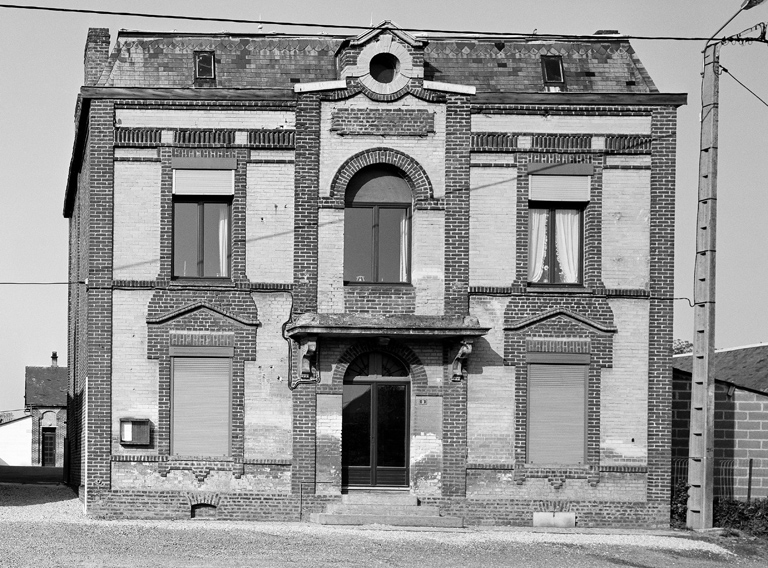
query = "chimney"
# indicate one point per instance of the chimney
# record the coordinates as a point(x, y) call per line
point(54, 359)
point(96, 54)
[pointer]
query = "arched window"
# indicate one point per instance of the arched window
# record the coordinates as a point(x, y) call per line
point(377, 226)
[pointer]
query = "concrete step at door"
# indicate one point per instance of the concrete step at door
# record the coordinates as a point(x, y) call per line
point(400, 498)
point(391, 520)
point(375, 509)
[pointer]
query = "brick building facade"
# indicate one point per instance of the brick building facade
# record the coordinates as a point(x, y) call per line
point(312, 265)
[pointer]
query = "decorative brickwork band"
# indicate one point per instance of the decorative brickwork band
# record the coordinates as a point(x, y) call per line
point(383, 122)
point(137, 136)
point(548, 345)
point(205, 137)
point(285, 139)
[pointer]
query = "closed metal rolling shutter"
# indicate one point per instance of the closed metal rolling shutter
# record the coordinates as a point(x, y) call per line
point(200, 413)
point(557, 414)
point(203, 182)
point(558, 188)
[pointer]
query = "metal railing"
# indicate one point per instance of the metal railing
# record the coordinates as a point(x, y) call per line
point(723, 482)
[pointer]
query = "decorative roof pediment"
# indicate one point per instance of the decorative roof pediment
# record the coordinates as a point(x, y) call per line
point(385, 26)
point(197, 306)
point(560, 312)
point(384, 60)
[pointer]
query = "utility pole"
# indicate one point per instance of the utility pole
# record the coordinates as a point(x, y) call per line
point(701, 448)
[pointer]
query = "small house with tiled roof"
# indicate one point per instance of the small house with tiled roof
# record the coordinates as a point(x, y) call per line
point(741, 420)
point(45, 399)
point(414, 279)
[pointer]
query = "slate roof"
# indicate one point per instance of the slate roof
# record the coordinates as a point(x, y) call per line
point(45, 386)
point(742, 366)
point(164, 60)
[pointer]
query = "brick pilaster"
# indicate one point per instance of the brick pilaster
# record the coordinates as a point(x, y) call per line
point(454, 437)
point(457, 143)
point(303, 469)
point(305, 208)
point(99, 299)
point(662, 236)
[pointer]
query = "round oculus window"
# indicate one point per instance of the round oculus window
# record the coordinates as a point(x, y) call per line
point(384, 67)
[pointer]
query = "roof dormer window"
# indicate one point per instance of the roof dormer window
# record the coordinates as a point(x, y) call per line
point(205, 65)
point(552, 71)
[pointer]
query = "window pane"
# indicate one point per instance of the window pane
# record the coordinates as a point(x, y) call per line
point(390, 427)
point(538, 253)
point(185, 239)
point(567, 246)
point(358, 244)
point(215, 239)
point(553, 71)
point(356, 425)
point(393, 245)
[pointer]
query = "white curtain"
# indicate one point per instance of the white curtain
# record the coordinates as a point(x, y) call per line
point(567, 230)
point(223, 242)
point(537, 244)
point(404, 247)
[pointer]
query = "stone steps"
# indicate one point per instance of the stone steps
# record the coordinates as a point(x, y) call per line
point(394, 508)
point(391, 520)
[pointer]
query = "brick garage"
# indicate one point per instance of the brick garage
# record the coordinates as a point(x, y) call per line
point(741, 420)
point(495, 179)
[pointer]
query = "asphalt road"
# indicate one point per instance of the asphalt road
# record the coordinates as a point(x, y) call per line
point(44, 526)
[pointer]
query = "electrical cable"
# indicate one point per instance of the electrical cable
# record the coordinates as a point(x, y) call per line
point(350, 27)
point(743, 85)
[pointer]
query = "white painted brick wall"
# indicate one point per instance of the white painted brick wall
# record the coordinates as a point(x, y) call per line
point(628, 161)
point(330, 261)
point(555, 124)
point(225, 119)
point(269, 223)
point(135, 152)
point(137, 220)
point(491, 158)
point(624, 398)
point(626, 228)
point(268, 407)
point(492, 204)
point(490, 389)
point(273, 155)
point(329, 408)
point(134, 377)
point(428, 263)
point(429, 151)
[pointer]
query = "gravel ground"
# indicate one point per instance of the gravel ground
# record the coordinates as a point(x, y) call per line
point(44, 526)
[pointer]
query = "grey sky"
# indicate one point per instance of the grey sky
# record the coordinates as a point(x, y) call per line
point(41, 73)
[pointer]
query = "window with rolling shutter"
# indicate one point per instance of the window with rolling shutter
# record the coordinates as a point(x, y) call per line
point(557, 414)
point(201, 406)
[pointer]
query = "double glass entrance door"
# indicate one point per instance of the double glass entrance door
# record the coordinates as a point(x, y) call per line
point(375, 428)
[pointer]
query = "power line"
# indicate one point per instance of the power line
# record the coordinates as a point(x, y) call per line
point(743, 85)
point(39, 283)
point(346, 27)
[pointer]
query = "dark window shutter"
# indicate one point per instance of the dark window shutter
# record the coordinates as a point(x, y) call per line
point(200, 419)
point(557, 414)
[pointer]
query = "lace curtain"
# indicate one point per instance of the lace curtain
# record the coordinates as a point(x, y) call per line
point(567, 232)
point(537, 244)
